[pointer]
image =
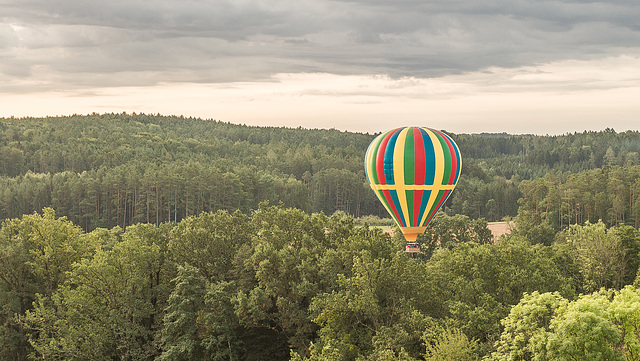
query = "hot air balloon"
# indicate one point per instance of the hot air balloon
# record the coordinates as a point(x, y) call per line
point(413, 171)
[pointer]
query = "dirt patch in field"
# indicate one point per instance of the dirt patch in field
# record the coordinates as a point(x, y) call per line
point(499, 228)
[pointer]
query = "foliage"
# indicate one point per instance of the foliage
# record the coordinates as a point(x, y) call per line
point(475, 285)
point(446, 231)
point(281, 284)
point(610, 194)
point(285, 267)
point(582, 330)
point(601, 257)
point(375, 309)
point(598, 326)
point(525, 321)
point(179, 334)
point(451, 344)
point(210, 242)
point(111, 304)
point(36, 252)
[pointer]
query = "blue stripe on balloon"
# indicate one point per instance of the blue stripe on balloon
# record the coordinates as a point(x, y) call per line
point(429, 157)
point(388, 157)
point(426, 194)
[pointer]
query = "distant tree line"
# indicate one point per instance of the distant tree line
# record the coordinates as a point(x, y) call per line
point(154, 193)
point(610, 194)
point(103, 170)
point(119, 169)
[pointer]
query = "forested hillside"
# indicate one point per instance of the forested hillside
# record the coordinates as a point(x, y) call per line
point(141, 237)
point(118, 169)
point(121, 169)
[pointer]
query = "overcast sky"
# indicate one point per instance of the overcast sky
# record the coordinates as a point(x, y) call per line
point(466, 66)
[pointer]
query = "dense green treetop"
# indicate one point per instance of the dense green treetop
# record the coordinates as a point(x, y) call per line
point(278, 284)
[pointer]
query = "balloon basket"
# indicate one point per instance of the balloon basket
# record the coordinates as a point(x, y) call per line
point(411, 235)
point(412, 247)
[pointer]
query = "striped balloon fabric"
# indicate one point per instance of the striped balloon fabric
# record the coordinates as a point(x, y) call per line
point(413, 171)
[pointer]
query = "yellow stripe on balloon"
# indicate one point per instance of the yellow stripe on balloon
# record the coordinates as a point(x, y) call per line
point(370, 168)
point(439, 173)
point(384, 203)
point(398, 172)
point(412, 187)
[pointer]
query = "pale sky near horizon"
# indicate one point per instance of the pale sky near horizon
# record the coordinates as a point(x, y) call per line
point(465, 66)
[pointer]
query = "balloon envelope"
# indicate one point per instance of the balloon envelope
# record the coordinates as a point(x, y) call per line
point(412, 171)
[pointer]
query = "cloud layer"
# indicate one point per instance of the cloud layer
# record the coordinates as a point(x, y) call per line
point(77, 44)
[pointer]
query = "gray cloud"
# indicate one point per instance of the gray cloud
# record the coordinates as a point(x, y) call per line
point(138, 42)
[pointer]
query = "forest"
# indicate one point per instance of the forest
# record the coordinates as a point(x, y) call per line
point(149, 237)
point(106, 170)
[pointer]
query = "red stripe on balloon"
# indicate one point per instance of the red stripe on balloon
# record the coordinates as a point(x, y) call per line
point(387, 195)
point(444, 197)
point(417, 201)
point(380, 158)
point(454, 161)
point(435, 210)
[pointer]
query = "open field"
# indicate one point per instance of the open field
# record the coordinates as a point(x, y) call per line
point(499, 228)
point(496, 228)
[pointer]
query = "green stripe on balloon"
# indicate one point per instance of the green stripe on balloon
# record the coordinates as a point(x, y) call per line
point(447, 158)
point(409, 217)
point(409, 159)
